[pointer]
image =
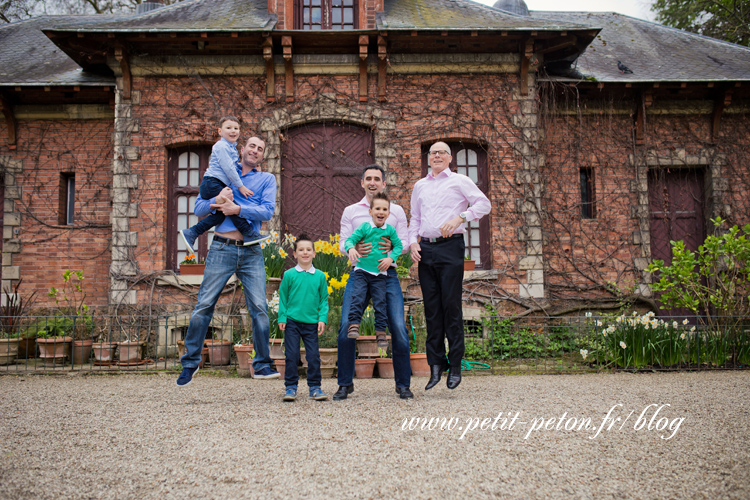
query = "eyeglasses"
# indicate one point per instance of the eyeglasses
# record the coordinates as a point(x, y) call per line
point(440, 152)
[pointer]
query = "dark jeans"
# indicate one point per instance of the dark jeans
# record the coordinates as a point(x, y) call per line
point(396, 325)
point(364, 286)
point(210, 187)
point(441, 273)
point(309, 334)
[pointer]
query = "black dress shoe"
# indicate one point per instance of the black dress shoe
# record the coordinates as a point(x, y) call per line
point(436, 371)
point(343, 392)
point(454, 377)
point(404, 393)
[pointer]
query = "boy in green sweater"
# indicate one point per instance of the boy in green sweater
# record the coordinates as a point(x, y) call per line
point(370, 272)
point(303, 311)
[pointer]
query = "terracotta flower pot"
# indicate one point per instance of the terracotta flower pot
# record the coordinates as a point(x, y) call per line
point(364, 368)
point(244, 360)
point(8, 351)
point(26, 347)
point(54, 349)
point(272, 285)
point(219, 352)
point(82, 351)
point(328, 357)
point(419, 365)
point(276, 348)
point(192, 269)
point(385, 367)
point(367, 346)
point(469, 265)
point(130, 352)
point(280, 366)
point(104, 352)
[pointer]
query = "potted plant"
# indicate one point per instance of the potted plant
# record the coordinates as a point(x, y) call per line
point(385, 364)
point(12, 313)
point(191, 266)
point(364, 367)
point(468, 264)
point(219, 351)
point(403, 265)
point(367, 346)
point(104, 352)
point(53, 339)
point(70, 303)
point(329, 352)
point(418, 357)
point(130, 351)
point(245, 354)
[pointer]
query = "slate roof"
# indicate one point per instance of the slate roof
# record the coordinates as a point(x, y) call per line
point(654, 52)
point(28, 57)
point(190, 15)
point(461, 15)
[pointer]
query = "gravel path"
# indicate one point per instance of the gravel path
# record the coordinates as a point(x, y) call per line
point(138, 436)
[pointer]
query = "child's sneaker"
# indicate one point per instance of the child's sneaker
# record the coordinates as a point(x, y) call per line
point(255, 241)
point(381, 339)
point(290, 395)
point(353, 332)
point(317, 394)
point(188, 237)
point(186, 376)
point(266, 373)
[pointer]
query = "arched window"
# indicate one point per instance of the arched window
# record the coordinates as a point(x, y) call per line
point(186, 168)
point(470, 160)
point(326, 15)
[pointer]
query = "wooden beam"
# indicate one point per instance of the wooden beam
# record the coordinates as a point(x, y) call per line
point(567, 42)
point(364, 42)
point(382, 66)
point(286, 43)
point(525, 58)
point(640, 120)
point(121, 55)
point(10, 121)
point(270, 73)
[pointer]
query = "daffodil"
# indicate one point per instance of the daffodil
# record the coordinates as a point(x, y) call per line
point(584, 353)
point(685, 321)
point(622, 344)
point(683, 336)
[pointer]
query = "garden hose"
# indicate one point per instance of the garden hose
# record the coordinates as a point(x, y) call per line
point(465, 365)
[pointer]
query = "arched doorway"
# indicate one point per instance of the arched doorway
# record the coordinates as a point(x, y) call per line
point(321, 166)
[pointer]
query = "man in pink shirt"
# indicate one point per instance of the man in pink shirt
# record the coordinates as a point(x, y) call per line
point(441, 204)
point(373, 181)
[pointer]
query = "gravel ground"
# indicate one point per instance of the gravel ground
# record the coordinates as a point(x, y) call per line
point(139, 436)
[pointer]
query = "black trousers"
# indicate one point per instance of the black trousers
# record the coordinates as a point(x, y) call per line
point(441, 273)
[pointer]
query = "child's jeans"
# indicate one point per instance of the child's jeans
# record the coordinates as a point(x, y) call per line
point(362, 282)
point(308, 332)
point(210, 187)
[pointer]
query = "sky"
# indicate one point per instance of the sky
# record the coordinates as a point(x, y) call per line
point(633, 8)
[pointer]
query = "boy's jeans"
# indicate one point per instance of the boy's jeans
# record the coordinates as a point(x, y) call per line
point(224, 260)
point(364, 286)
point(308, 332)
point(396, 326)
point(211, 187)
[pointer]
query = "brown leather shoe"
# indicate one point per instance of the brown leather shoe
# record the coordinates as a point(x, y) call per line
point(381, 339)
point(353, 331)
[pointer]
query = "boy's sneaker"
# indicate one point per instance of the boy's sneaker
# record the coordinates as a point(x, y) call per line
point(186, 376)
point(255, 241)
point(290, 395)
point(353, 331)
point(267, 373)
point(317, 394)
point(188, 237)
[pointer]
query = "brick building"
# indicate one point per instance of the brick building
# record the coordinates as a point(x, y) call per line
point(109, 120)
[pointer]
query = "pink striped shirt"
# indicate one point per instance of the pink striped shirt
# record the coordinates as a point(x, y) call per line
point(437, 199)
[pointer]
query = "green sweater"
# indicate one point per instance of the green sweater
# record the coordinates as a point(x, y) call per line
point(369, 233)
point(303, 296)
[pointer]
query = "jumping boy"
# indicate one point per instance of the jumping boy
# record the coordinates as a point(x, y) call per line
point(222, 171)
point(303, 312)
point(370, 272)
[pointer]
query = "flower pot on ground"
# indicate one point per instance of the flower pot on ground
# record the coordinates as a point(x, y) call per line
point(364, 368)
point(181, 350)
point(367, 346)
point(219, 351)
point(27, 347)
point(385, 367)
point(272, 285)
point(245, 355)
point(104, 352)
point(276, 348)
point(82, 351)
point(130, 351)
point(54, 349)
point(8, 351)
point(280, 365)
point(419, 365)
point(328, 358)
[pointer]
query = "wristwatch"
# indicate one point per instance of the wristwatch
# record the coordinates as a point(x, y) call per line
point(463, 215)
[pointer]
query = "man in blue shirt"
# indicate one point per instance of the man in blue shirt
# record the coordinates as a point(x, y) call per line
point(228, 255)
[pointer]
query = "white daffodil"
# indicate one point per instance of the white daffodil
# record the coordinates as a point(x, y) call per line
point(622, 344)
point(685, 321)
point(675, 324)
point(683, 336)
point(584, 353)
point(588, 314)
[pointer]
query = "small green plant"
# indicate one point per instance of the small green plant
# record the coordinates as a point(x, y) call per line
point(383, 353)
point(14, 311)
point(403, 264)
point(72, 315)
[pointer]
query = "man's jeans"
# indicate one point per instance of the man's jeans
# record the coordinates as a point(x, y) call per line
point(224, 260)
point(396, 326)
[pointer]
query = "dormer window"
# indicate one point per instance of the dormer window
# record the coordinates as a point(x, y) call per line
point(326, 14)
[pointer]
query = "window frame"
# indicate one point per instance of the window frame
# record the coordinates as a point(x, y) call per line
point(587, 185)
point(174, 192)
point(483, 182)
point(67, 199)
point(326, 7)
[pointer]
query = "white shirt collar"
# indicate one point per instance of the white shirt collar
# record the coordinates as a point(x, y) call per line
point(300, 270)
point(372, 224)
